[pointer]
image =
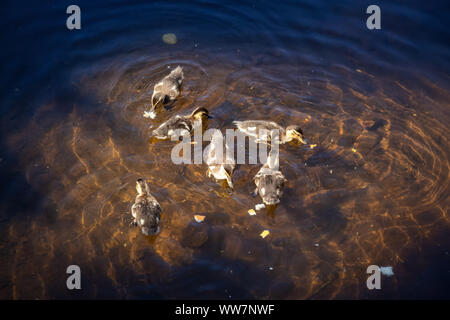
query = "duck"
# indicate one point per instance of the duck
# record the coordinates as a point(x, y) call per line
point(253, 129)
point(166, 90)
point(270, 181)
point(146, 210)
point(180, 125)
point(217, 167)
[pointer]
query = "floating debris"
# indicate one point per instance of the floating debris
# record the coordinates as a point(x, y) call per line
point(353, 149)
point(312, 146)
point(259, 206)
point(387, 271)
point(199, 218)
point(316, 245)
point(264, 234)
point(270, 268)
point(169, 38)
point(331, 171)
point(151, 115)
point(252, 212)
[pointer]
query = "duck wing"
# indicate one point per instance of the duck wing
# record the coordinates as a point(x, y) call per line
point(219, 166)
point(177, 75)
point(147, 213)
point(270, 184)
point(253, 127)
point(169, 87)
point(171, 84)
point(170, 127)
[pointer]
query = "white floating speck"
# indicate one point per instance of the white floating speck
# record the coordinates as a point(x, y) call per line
point(316, 244)
point(270, 268)
point(387, 271)
point(148, 114)
point(259, 206)
point(331, 171)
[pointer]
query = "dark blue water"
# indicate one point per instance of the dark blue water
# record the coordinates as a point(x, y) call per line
point(373, 191)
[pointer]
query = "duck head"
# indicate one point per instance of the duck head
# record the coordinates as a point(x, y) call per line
point(295, 133)
point(200, 113)
point(158, 99)
point(142, 186)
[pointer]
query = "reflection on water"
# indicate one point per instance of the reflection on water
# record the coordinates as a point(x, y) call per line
point(373, 191)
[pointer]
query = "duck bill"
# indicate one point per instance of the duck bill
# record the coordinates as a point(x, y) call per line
point(229, 181)
point(301, 140)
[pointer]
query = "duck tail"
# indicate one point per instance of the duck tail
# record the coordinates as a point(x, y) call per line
point(177, 73)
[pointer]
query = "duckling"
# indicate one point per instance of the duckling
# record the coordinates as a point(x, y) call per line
point(253, 128)
point(179, 125)
point(270, 182)
point(146, 210)
point(168, 89)
point(218, 168)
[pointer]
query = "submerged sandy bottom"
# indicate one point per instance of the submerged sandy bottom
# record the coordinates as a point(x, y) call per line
point(373, 191)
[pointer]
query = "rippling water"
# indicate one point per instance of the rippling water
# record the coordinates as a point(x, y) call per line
point(373, 191)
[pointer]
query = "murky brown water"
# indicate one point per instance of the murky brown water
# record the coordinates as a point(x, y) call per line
point(373, 191)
